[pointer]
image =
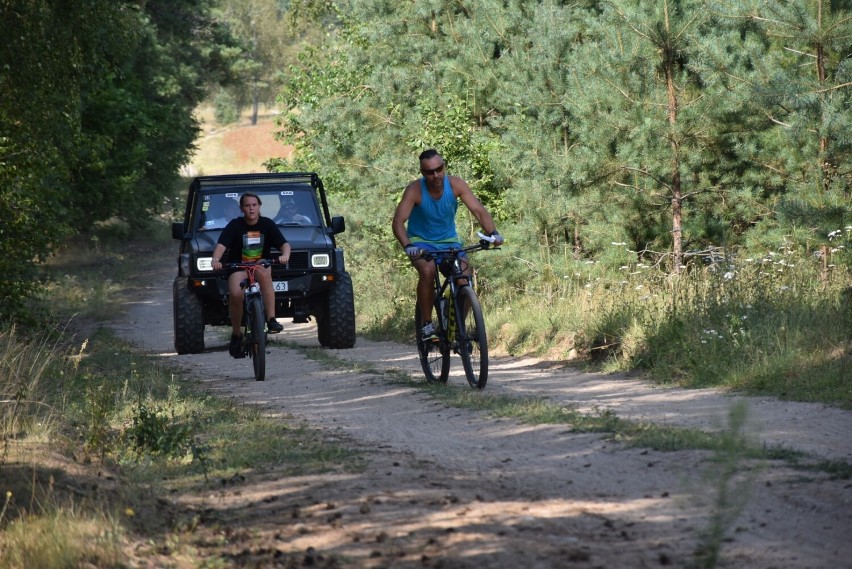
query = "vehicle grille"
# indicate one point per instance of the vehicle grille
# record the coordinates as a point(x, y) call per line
point(299, 260)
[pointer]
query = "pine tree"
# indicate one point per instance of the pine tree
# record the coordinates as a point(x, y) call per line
point(657, 103)
point(803, 89)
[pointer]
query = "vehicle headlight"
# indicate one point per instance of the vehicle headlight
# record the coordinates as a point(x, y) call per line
point(204, 263)
point(320, 260)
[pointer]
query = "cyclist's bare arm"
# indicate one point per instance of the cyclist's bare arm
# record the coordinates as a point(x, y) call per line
point(410, 198)
point(216, 261)
point(463, 191)
point(285, 254)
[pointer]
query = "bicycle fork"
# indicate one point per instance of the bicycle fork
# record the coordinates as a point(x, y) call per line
point(250, 291)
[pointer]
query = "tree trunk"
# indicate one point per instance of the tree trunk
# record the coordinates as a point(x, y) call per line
point(824, 163)
point(676, 189)
point(255, 104)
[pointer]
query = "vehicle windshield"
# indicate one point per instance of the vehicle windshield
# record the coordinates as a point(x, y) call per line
point(288, 208)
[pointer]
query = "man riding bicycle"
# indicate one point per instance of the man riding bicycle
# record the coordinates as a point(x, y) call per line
point(425, 219)
point(248, 239)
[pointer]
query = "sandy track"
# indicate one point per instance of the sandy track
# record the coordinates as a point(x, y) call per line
point(454, 488)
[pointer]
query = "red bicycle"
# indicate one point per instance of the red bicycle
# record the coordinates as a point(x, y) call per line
point(254, 322)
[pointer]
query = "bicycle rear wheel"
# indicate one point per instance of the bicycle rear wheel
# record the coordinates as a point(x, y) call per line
point(472, 343)
point(434, 356)
point(257, 338)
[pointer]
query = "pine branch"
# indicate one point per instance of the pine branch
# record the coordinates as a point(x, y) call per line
point(649, 175)
point(776, 121)
point(800, 52)
point(834, 88)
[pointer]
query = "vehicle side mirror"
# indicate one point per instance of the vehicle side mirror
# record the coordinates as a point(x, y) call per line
point(338, 225)
point(177, 230)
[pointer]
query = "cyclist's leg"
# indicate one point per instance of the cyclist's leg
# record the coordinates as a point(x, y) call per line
point(263, 275)
point(466, 268)
point(425, 287)
point(235, 301)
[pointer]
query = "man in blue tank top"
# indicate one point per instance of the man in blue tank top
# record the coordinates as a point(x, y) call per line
point(425, 219)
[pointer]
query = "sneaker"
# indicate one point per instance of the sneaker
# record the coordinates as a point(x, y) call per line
point(428, 334)
point(273, 326)
point(236, 347)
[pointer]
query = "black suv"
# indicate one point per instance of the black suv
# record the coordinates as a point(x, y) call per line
point(314, 282)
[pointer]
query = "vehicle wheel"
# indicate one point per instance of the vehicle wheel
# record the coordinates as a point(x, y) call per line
point(188, 319)
point(473, 345)
point(339, 315)
point(434, 357)
point(257, 341)
point(322, 329)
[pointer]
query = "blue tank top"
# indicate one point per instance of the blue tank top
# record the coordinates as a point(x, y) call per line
point(434, 220)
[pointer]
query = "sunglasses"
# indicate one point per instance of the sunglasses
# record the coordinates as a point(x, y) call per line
point(433, 171)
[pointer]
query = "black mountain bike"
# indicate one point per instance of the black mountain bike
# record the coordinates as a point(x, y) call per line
point(463, 335)
point(254, 322)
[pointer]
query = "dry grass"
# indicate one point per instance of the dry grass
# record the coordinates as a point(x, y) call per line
point(237, 148)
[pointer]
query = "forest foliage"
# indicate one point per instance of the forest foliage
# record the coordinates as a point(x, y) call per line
point(676, 127)
point(660, 169)
point(96, 117)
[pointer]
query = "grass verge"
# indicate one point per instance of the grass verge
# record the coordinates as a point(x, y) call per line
point(96, 436)
point(778, 324)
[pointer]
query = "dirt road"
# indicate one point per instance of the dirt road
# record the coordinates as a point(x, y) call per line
point(453, 488)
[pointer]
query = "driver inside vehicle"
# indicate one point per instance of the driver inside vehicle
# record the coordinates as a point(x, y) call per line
point(289, 213)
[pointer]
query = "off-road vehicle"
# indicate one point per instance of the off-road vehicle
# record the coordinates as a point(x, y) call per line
point(313, 284)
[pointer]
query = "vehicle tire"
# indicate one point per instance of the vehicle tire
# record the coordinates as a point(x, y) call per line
point(338, 329)
point(472, 343)
point(257, 341)
point(188, 319)
point(434, 357)
point(323, 327)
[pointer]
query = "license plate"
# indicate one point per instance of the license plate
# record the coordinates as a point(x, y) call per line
point(280, 286)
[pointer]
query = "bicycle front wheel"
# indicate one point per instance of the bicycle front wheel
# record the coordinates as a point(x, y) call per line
point(434, 356)
point(472, 343)
point(257, 338)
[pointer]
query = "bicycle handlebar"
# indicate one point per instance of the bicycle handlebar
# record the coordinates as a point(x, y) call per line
point(243, 265)
point(455, 251)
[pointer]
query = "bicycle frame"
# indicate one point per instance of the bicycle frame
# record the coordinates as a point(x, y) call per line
point(254, 321)
point(446, 321)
